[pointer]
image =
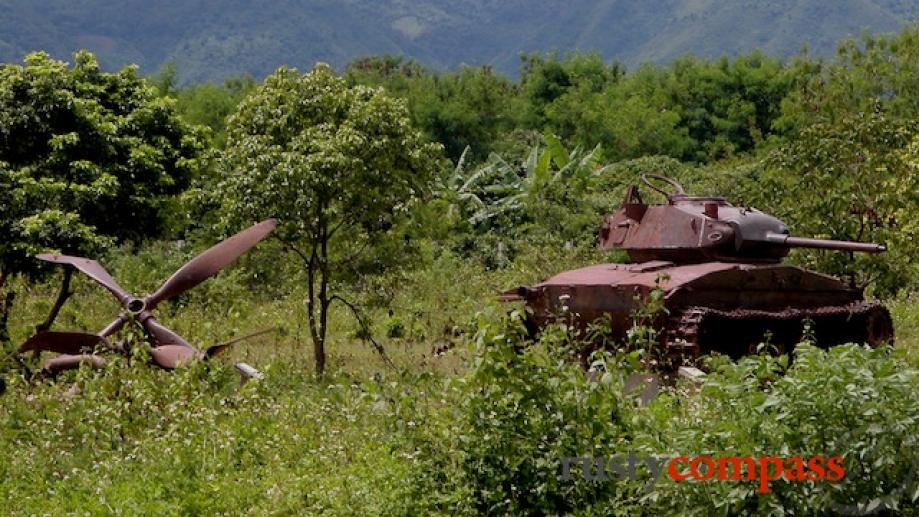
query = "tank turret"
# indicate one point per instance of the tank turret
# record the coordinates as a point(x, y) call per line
point(694, 229)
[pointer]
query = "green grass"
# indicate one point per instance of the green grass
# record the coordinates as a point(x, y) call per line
point(905, 315)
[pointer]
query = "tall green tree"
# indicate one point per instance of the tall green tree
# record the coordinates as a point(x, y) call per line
point(471, 107)
point(211, 104)
point(874, 70)
point(337, 165)
point(852, 179)
point(560, 91)
point(692, 109)
point(87, 158)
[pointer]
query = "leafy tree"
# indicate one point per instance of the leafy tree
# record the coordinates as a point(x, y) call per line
point(393, 70)
point(471, 107)
point(165, 80)
point(640, 121)
point(205, 104)
point(337, 165)
point(572, 80)
point(853, 179)
point(87, 158)
point(210, 104)
point(872, 70)
point(692, 109)
point(726, 105)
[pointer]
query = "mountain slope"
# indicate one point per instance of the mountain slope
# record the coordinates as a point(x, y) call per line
point(210, 39)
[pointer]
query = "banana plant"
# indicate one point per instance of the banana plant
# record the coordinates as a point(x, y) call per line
point(499, 186)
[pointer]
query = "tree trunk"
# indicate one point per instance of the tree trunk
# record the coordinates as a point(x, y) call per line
point(317, 333)
point(317, 326)
point(319, 355)
point(6, 304)
point(323, 295)
point(317, 304)
point(62, 297)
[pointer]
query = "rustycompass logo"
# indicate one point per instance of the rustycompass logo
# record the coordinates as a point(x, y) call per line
point(763, 470)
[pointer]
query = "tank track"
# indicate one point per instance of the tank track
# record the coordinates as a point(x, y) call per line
point(682, 336)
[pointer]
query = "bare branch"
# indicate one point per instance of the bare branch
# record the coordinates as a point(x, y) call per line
point(365, 328)
point(288, 246)
point(345, 221)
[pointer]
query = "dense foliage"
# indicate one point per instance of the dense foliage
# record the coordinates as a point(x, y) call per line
point(496, 449)
point(860, 166)
point(85, 152)
point(691, 109)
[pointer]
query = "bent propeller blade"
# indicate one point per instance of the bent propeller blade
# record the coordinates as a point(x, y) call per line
point(72, 343)
point(93, 270)
point(172, 356)
point(161, 336)
point(247, 373)
point(219, 348)
point(210, 262)
point(114, 326)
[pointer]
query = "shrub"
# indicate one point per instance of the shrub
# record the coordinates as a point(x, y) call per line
point(499, 447)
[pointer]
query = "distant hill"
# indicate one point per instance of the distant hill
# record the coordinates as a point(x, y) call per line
point(211, 39)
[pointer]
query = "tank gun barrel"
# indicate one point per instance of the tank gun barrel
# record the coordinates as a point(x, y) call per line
point(801, 242)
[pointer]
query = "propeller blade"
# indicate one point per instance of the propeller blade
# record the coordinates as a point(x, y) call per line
point(171, 356)
point(162, 336)
point(114, 326)
point(58, 364)
point(72, 343)
point(210, 262)
point(93, 270)
point(220, 348)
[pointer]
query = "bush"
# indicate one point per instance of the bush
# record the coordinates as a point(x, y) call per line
point(850, 400)
point(498, 445)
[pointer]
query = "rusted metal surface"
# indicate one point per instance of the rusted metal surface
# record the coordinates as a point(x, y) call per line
point(169, 349)
point(695, 331)
point(63, 362)
point(702, 229)
point(219, 348)
point(92, 269)
point(171, 356)
point(72, 343)
point(618, 289)
point(718, 266)
point(827, 244)
point(210, 262)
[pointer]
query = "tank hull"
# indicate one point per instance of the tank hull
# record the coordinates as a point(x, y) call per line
point(724, 307)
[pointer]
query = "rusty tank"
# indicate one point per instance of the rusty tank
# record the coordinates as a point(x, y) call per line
point(724, 286)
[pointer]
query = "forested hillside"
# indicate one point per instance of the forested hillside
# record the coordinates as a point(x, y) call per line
point(211, 40)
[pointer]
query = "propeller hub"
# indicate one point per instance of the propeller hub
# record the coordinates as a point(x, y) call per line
point(136, 306)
